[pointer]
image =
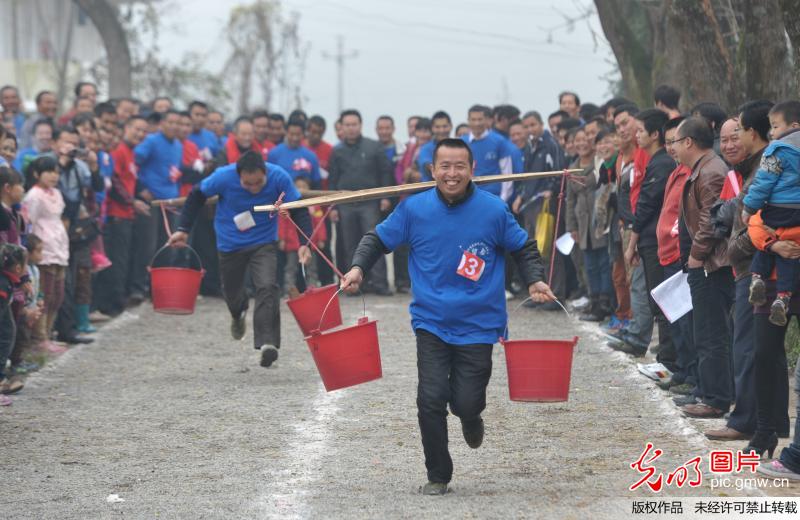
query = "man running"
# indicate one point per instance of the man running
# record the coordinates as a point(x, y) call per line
point(246, 239)
point(457, 236)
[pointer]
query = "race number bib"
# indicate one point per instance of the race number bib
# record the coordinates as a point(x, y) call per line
point(471, 266)
point(244, 221)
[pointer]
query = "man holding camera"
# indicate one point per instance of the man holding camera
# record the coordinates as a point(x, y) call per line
point(80, 178)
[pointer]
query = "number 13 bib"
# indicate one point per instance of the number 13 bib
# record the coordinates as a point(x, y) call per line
point(471, 266)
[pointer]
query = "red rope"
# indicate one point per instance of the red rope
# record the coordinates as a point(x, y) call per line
point(555, 231)
point(308, 240)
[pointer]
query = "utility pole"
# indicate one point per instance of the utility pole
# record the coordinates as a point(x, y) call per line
point(340, 58)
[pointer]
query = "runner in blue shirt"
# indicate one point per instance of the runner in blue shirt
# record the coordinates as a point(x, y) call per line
point(492, 152)
point(295, 158)
point(207, 142)
point(458, 236)
point(248, 241)
point(441, 126)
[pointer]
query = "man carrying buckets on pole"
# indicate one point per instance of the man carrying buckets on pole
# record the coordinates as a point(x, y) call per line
point(248, 240)
point(457, 235)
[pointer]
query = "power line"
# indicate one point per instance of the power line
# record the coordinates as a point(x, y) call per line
point(339, 58)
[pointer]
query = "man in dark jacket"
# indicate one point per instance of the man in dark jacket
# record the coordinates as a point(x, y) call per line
point(644, 243)
point(360, 163)
point(710, 276)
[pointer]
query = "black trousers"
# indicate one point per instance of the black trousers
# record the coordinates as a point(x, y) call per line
point(149, 235)
point(262, 263)
point(111, 294)
point(448, 374)
point(204, 241)
point(772, 376)
point(712, 299)
point(356, 220)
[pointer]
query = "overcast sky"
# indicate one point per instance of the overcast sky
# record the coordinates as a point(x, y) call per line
point(419, 56)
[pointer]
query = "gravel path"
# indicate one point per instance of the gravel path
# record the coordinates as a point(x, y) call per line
point(178, 420)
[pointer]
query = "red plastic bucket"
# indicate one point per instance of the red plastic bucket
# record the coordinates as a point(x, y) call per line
point(174, 289)
point(309, 306)
point(349, 356)
point(539, 370)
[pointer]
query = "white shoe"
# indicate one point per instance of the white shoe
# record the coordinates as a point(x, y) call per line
point(509, 295)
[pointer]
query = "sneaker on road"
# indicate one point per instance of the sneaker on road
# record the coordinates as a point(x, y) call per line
point(11, 386)
point(777, 470)
point(239, 326)
point(268, 355)
point(683, 400)
point(434, 488)
point(474, 434)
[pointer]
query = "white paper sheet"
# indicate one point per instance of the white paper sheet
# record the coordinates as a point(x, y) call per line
point(565, 243)
point(673, 296)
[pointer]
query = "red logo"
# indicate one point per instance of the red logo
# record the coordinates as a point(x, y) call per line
point(471, 266)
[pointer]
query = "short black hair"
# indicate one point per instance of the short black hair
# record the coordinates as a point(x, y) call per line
point(557, 113)
point(699, 130)
point(712, 112)
point(654, 121)
point(43, 163)
point(240, 120)
point(185, 113)
point(82, 118)
point(423, 123)
point(106, 107)
point(668, 96)
point(12, 255)
point(250, 161)
point(274, 116)
point(629, 108)
point(259, 114)
point(197, 103)
point(569, 93)
point(171, 111)
point(588, 111)
point(32, 241)
point(165, 98)
point(42, 94)
point(460, 126)
point(453, 142)
point(9, 176)
point(68, 129)
point(409, 118)
point(568, 124)
point(385, 117)
point(486, 111)
point(298, 113)
point(755, 115)
point(602, 124)
point(790, 110)
point(45, 121)
point(534, 114)
point(506, 112)
point(350, 112)
point(441, 114)
point(673, 123)
point(134, 118)
point(153, 118)
point(296, 121)
point(602, 134)
point(317, 120)
point(79, 85)
point(617, 102)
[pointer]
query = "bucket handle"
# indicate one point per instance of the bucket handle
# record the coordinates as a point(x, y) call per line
point(322, 318)
point(167, 246)
point(518, 307)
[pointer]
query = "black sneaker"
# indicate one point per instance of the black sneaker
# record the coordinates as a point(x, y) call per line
point(758, 292)
point(473, 435)
point(434, 488)
point(239, 326)
point(269, 355)
point(628, 349)
point(683, 400)
point(777, 312)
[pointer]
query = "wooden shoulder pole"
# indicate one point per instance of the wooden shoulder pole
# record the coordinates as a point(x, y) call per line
point(403, 189)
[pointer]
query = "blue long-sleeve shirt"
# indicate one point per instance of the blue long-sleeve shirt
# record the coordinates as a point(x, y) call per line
point(159, 161)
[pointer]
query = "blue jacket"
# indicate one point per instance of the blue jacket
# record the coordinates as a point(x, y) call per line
point(777, 180)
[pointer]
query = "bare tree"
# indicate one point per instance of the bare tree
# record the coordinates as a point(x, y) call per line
point(265, 48)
